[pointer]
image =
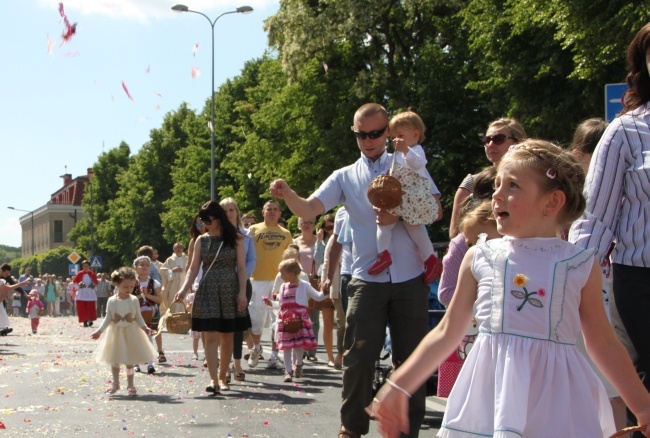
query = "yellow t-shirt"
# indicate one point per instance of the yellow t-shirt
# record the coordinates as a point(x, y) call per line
point(270, 243)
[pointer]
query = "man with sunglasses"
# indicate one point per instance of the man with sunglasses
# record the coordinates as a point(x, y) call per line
point(397, 297)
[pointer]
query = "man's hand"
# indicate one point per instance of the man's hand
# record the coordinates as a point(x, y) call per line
point(384, 217)
point(279, 188)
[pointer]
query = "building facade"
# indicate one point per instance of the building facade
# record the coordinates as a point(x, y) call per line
point(48, 226)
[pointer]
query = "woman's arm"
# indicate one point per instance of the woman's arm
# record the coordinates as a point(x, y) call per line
point(242, 302)
point(607, 352)
point(190, 253)
point(194, 265)
point(319, 251)
point(459, 199)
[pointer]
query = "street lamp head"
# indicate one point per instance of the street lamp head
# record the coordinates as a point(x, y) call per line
point(244, 9)
point(180, 8)
point(11, 208)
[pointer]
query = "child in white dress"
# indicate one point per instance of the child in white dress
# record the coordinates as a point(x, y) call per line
point(531, 293)
point(125, 341)
point(419, 206)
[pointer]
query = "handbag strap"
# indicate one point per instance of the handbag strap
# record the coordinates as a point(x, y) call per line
point(205, 274)
point(313, 267)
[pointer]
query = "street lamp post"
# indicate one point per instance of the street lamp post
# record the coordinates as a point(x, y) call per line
point(32, 213)
point(239, 10)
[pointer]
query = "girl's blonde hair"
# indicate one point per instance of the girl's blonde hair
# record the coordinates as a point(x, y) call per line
point(556, 169)
point(290, 266)
point(410, 119)
point(477, 214)
point(122, 274)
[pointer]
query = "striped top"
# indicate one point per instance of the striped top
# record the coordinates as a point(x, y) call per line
point(618, 192)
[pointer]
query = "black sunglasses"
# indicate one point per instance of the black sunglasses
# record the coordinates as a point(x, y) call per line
point(371, 135)
point(206, 221)
point(497, 139)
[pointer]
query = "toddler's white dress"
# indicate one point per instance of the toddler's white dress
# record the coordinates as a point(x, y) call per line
point(524, 376)
point(123, 341)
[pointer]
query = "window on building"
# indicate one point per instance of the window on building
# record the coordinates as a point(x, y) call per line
point(58, 231)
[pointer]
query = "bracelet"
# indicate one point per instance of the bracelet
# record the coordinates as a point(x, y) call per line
point(399, 388)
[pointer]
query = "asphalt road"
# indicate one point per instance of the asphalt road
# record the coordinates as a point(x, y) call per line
point(50, 385)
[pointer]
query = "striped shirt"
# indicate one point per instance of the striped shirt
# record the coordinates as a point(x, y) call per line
point(618, 192)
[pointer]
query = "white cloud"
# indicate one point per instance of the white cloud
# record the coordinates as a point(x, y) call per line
point(11, 232)
point(146, 10)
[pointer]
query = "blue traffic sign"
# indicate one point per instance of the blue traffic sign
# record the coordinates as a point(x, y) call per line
point(613, 100)
point(96, 262)
point(73, 269)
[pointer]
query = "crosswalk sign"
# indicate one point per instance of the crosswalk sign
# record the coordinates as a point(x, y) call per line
point(96, 262)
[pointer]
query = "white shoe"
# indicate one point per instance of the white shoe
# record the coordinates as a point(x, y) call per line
point(255, 357)
point(274, 363)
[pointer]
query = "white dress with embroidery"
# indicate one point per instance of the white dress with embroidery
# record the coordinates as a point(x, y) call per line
point(524, 376)
point(123, 341)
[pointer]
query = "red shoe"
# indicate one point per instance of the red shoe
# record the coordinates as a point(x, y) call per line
point(432, 269)
point(383, 262)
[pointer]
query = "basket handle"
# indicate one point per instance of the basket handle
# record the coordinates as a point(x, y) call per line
point(627, 430)
point(392, 166)
point(178, 303)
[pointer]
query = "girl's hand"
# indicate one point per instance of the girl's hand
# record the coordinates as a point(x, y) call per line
point(266, 301)
point(96, 335)
point(400, 145)
point(390, 409)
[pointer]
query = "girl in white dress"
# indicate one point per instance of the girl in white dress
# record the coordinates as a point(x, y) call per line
point(125, 341)
point(530, 293)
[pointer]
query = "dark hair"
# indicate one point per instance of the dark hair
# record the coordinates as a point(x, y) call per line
point(229, 234)
point(5, 267)
point(588, 135)
point(122, 274)
point(145, 250)
point(194, 232)
point(85, 262)
point(484, 184)
point(325, 219)
point(638, 79)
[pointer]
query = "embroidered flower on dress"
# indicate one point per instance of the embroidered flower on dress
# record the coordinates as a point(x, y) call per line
point(520, 280)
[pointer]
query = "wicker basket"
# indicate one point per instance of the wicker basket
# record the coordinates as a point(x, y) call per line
point(178, 322)
point(629, 430)
point(291, 321)
point(385, 191)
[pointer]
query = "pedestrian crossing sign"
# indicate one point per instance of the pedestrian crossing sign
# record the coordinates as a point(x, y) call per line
point(96, 262)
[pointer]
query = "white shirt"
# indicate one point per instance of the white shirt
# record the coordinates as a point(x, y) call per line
point(618, 192)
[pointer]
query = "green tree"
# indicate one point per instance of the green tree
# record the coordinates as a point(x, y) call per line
point(105, 186)
point(55, 261)
point(134, 215)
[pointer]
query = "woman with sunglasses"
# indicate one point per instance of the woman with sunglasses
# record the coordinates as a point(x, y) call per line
point(500, 135)
point(220, 306)
point(325, 231)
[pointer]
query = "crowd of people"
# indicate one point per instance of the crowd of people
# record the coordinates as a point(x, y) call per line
point(545, 264)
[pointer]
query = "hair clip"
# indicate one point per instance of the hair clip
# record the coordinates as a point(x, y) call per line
point(551, 173)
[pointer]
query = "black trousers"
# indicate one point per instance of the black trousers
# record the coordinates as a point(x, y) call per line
point(632, 298)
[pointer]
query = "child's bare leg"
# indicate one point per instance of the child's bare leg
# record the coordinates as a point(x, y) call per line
point(130, 377)
point(116, 378)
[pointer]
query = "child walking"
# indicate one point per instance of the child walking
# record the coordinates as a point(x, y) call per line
point(15, 304)
point(294, 297)
point(419, 207)
point(125, 339)
point(531, 293)
point(35, 308)
point(147, 290)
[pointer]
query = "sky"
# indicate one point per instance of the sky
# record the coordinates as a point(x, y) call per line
point(63, 103)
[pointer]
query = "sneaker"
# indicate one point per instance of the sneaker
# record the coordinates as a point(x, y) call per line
point(432, 269)
point(150, 369)
point(382, 263)
point(274, 363)
point(255, 357)
point(137, 368)
point(195, 357)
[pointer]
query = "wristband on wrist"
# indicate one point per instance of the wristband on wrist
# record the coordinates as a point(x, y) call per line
point(399, 388)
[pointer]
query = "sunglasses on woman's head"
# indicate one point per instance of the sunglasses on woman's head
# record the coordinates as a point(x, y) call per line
point(371, 135)
point(496, 139)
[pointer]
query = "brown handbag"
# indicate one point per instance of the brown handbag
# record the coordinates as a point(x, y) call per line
point(314, 280)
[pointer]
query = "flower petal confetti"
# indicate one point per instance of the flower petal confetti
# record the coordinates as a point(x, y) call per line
point(196, 72)
point(126, 90)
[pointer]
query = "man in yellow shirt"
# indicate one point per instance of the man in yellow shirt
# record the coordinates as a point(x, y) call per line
point(270, 242)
